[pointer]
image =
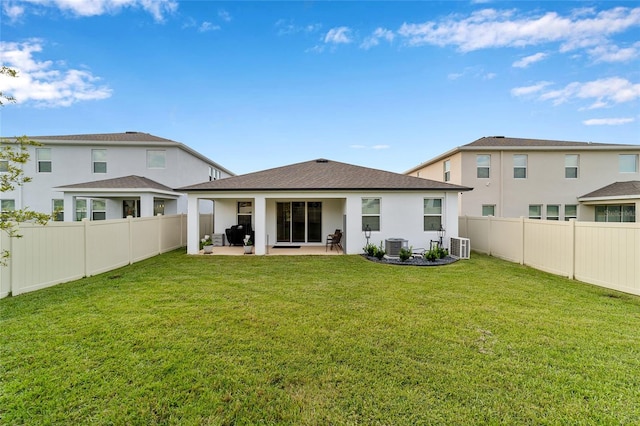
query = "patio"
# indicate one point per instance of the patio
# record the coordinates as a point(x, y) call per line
point(279, 251)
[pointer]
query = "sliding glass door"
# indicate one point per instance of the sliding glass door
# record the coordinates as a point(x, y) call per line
point(299, 222)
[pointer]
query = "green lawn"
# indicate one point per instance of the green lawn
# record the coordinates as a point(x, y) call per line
point(317, 340)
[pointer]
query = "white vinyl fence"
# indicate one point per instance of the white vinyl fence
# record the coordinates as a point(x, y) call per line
point(65, 251)
point(605, 254)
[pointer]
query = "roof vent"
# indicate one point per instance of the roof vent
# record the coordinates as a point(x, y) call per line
point(322, 160)
point(499, 137)
point(131, 133)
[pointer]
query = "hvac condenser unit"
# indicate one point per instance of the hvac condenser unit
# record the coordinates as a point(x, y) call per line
point(392, 246)
point(460, 247)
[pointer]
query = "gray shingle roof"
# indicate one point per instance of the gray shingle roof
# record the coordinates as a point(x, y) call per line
point(323, 174)
point(126, 182)
point(617, 189)
point(105, 137)
point(502, 141)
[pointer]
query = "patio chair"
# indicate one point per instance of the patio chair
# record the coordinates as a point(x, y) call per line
point(334, 240)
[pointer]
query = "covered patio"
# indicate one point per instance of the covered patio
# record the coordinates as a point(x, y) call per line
point(279, 251)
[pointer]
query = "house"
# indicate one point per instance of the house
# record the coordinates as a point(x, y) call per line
point(541, 179)
point(300, 204)
point(109, 176)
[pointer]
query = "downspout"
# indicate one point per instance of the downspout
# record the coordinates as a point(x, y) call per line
point(501, 209)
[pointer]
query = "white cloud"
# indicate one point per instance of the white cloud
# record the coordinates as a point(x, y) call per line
point(490, 28)
point(374, 39)
point(529, 90)
point(41, 82)
point(338, 35)
point(380, 147)
point(612, 53)
point(528, 60)
point(157, 8)
point(288, 27)
point(603, 92)
point(608, 121)
point(208, 26)
point(224, 15)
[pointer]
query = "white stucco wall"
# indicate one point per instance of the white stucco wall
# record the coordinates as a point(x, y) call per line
point(401, 215)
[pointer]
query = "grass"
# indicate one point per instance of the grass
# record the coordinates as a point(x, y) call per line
point(319, 340)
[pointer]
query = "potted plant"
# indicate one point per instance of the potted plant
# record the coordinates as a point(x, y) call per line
point(248, 244)
point(206, 244)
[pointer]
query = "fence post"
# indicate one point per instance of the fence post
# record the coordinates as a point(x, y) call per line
point(85, 228)
point(522, 242)
point(130, 220)
point(159, 233)
point(489, 235)
point(572, 251)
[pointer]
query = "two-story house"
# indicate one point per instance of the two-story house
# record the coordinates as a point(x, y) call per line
point(109, 176)
point(542, 179)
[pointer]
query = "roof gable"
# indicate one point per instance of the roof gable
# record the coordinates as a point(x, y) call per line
point(322, 174)
point(126, 182)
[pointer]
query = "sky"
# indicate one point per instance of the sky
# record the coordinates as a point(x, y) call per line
point(257, 84)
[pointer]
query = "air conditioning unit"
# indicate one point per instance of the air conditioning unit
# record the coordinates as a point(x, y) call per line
point(392, 246)
point(460, 248)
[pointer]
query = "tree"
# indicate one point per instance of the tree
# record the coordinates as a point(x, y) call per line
point(13, 155)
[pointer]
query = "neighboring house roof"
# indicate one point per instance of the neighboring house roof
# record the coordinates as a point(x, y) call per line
point(323, 174)
point(617, 191)
point(502, 143)
point(121, 184)
point(124, 139)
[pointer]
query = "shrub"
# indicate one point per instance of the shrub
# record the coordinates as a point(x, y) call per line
point(431, 255)
point(370, 249)
point(404, 254)
point(380, 251)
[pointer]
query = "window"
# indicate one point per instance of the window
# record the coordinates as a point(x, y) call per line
point(570, 211)
point(43, 156)
point(7, 205)
point(553, 212)
point(99, 160)
point(131, 208)
point(156, 159)
point(158, 207)
point(571, 166)
point(628, 163)
point(98, 210)
point(371, 213)
point(616, 213)
point(81, 209)
point(4, 166)
point(432, 214)
point(483, 165)
point(488, 210)
point(520, 166)
point(245, 210)
point(535, 211)
point(447, 170)
point(214, 174)
point(57, 210)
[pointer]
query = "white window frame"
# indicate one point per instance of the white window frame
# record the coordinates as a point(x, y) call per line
point(432, 207)
point(625, 160)
point(447, 170)
point(371, 213)
point(153, 159)
point(57, 209)
point(8, 205)
point(535, 216)
point(43, 158)
point(518, 166)
point(488, 206)
point(245, 212)
point(214, 174)
point(552, 215)
point(570, 216)
point(609, 215)
point(571, 167)
point(80, 209)
point(98, 207)
point(98, 157)
point(481, 164)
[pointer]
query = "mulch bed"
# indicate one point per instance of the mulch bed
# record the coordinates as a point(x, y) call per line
point(415, 261)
